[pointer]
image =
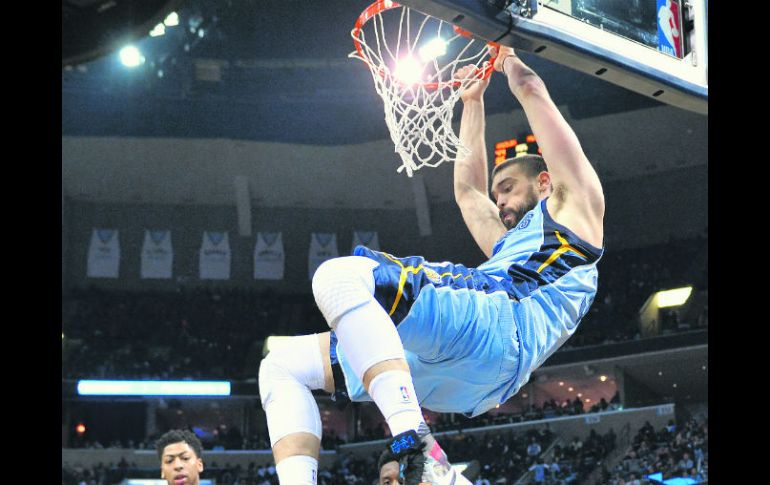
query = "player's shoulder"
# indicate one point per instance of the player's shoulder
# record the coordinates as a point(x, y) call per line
point(577, 215)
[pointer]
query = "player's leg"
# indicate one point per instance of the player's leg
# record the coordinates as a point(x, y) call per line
point(344, 291)
point(286, 378)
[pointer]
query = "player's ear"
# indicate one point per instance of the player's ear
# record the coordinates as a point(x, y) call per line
point(543, 181)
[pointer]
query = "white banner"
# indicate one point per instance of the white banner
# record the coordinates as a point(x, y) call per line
point(365, 238)
point(157, 255)
point(214, 260)
point(269, 257)
point(103, 254)
point(323, 246)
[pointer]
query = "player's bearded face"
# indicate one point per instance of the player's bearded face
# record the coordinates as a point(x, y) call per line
point(513, 213)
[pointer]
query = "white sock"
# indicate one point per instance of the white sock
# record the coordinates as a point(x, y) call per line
point(393, 392)
point(297, 470)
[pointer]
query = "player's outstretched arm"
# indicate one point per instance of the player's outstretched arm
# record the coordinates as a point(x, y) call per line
point(578, 200)
point(470, 172)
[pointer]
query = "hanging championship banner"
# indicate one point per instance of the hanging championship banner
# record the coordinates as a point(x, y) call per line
point(365, 238)
point(268, 256)
point(323, 246)
point(103, 254)
point(214, 260)
point(157, 255)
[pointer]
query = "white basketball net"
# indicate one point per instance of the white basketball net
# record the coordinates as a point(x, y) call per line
point(415, 76)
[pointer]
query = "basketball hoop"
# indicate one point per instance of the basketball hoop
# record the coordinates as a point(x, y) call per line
point(415, 76)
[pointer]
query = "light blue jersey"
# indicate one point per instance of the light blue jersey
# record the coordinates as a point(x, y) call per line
point(473, 336)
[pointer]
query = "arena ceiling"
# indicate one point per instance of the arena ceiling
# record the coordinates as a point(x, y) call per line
point(268, 93)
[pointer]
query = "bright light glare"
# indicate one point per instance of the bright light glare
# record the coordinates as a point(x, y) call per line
point(153, 388)
point(171, 20)
point(433, 49)
point(131, 57)
point(408, 70)
point(675, 297)
point(159, 30)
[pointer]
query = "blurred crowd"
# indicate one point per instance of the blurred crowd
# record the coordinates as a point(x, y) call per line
point(672, 451)
point(217, 333)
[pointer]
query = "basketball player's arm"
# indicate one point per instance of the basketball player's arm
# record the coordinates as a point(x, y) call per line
point(471, 174)
point(577, 192)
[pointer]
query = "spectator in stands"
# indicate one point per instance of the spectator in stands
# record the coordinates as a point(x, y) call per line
point(539, 468)
point(632, 480)
point(685, 464)
point(533, 450)
point(181, 457)
point(577, 406)
point(554, 468)
point(575, 446)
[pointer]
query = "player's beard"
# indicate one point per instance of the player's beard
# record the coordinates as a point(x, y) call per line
point(529, 203)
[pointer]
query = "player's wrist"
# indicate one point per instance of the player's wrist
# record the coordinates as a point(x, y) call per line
point(505, 59)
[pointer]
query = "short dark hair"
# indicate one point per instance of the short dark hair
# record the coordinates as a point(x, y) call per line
point(532, 164)
point(385, 457)
point(178, 436)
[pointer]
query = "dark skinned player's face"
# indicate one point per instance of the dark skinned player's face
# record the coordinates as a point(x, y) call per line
point(389, 474)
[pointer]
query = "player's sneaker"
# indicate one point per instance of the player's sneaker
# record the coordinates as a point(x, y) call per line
point(422, 461)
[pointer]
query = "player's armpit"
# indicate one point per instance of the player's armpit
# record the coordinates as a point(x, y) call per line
point(482, 219)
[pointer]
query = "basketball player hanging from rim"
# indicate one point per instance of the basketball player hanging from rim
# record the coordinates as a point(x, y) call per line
point(407, 333)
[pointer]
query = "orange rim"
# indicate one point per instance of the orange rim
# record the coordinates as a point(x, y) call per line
point(380, 6)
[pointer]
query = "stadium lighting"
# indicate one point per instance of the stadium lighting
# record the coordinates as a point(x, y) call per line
point(602, 378)
point(153, 388)
point(675, 297)
point(130, 56)
point(433, 49)
point(408, 70)
point(172, 20)
point(159, 30)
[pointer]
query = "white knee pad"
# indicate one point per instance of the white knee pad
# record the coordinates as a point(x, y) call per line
point(343, 284)
point(286, 377)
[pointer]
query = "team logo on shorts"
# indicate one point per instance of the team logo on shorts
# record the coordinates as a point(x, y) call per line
point(405, 394)
point(432, 275)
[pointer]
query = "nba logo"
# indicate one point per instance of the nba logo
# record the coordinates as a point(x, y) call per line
point(669, 28)
point(405, 394)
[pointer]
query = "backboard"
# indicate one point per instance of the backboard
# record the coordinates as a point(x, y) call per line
point(658, 48)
